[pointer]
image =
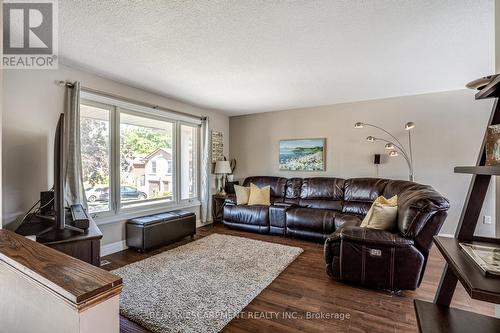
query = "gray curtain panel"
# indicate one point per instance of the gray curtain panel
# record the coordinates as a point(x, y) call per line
point(74, 191)
point(205, 173)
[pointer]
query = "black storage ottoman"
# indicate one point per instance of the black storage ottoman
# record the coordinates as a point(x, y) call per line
point(147, 232)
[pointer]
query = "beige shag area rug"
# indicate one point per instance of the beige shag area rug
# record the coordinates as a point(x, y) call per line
point(200, 286)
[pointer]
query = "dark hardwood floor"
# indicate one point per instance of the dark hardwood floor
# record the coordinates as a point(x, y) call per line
point(305, 287)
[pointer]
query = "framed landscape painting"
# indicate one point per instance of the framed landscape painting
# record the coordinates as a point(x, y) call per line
point(302, 154)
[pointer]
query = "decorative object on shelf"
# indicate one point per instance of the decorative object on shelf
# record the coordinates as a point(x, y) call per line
point(493, 145)
point(394, 146)
point(232, 164)
point(480, 83)
point(217, 146)
point(302, 154)
point(486, 257)
point(222, 168)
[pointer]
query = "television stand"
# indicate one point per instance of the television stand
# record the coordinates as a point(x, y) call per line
point(52, 232)
point(84, 246)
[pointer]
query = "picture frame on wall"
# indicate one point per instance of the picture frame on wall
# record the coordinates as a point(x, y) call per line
point(217, 146)
point(302, 154)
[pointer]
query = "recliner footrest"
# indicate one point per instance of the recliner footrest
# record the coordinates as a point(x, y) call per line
point(373, 258)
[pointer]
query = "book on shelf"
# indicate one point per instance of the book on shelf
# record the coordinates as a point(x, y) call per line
point(486, 257)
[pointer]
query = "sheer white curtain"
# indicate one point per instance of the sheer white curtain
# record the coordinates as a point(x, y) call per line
point(205, 173)
point(74, 191)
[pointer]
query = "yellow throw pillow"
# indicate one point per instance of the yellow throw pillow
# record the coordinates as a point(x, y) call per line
point(259, 196)
point(382, 214)
point(242, 194)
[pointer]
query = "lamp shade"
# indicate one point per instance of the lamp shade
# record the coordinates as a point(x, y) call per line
point(409, 125)
point(222, 167)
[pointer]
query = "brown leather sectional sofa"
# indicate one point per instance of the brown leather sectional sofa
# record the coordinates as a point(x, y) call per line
point(331, 210)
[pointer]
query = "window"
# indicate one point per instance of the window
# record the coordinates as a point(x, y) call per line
point(150, 141)
point(96, 155)
point(189, 161)
point(136, 158)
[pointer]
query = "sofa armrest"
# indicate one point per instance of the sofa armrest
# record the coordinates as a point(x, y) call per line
point(230, 199)
point(416, 208)
point(373, 237)
point(331, 249)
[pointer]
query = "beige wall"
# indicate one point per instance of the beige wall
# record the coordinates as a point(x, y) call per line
point(449, 132)
point(32, 103)
point(1, 99)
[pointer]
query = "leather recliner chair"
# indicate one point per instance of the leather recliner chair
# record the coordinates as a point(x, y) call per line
point(332, 209)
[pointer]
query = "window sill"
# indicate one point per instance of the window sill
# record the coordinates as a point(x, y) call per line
point(124, 215)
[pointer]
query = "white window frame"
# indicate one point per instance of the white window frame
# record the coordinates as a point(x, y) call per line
point(116, 107)
point(197, 162)
point(111, 161)
point(148, 203)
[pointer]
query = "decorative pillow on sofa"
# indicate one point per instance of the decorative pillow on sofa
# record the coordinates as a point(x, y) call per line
point(382, 215)
point(242, 194)
point(259, 196)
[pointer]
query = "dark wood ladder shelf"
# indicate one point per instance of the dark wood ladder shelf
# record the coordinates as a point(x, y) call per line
point(432, 318)
point(492, 90)
point(474, 281)
point(438, 316)
point(479, 170)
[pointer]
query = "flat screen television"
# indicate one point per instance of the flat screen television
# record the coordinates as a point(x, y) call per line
point(59, 230)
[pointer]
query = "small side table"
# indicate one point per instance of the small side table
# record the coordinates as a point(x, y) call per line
point(218, 206)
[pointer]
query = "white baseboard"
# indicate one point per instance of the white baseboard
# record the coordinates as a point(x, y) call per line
point(200, 224)
point(446, 235)
point(113, 248)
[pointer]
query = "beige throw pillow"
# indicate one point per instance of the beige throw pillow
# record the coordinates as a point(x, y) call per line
point(382, 214)
point(259, 196)
point(242, 194)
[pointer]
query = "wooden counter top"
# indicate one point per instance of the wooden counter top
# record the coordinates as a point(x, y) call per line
point(78, 282)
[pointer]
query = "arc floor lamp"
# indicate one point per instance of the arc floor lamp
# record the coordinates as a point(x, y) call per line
point(394, 146)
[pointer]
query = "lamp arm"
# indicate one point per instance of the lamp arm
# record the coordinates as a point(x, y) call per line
point(386, 132)
point(403, 152)
point(410, 166)
point(401, 149)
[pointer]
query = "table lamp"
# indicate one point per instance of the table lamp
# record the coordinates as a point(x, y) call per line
point(222, 168)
